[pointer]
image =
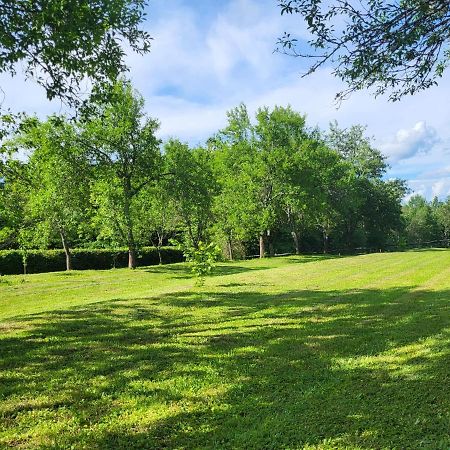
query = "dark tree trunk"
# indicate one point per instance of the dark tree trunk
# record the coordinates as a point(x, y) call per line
point(270, 239)
point(66, 249)
point(271, 249)
point(160, 242)
point(131, 257)
point(262, 246)
point(295, 238)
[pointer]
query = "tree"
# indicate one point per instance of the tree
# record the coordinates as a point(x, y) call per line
point(400, 47)
point(57, 183)
point(60, 43)
point(382, 211)
point(247, 167)
point(120, 141)
point(12, 199)
point(157, 214)
point(421, 225)
point(191, 187)
point(441, 214)
point(356, 148)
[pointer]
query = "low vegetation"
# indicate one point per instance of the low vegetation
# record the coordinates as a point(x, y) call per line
point(297, 352)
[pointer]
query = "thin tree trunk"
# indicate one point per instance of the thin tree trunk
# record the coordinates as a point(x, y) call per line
point(262, 246)
point(230, 249)
point(295, 237)
point(66, 249)
point(270, 243)
point(131, 257)
point(160, 240)
point(129, 225)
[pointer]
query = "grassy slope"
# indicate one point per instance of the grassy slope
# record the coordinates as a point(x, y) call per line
point(347, 353)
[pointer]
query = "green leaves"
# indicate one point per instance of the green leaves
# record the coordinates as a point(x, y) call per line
point(398, 48)
point(202, 258)
point(60, 43)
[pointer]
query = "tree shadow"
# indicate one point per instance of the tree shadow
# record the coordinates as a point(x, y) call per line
point(182, 270)
point(361, 368)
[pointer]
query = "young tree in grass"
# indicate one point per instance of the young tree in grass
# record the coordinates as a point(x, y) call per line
point(120, 140)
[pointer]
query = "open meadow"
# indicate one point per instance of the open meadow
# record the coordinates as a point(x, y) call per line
point(306, 352)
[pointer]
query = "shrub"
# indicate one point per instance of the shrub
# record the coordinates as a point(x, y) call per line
point(11, 261)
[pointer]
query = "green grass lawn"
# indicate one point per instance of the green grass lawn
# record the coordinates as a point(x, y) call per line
point(297, 352)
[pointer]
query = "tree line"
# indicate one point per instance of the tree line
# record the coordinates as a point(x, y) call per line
point(258, 186)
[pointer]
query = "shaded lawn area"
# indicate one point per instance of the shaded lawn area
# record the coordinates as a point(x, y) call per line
point(348, 353)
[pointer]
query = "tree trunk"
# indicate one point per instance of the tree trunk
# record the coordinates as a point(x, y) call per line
point(131, 257)
point(230, 249)
point(129, 225)
point(66, 249)
point(160, 242)
point(295, 237)
point(262, 246)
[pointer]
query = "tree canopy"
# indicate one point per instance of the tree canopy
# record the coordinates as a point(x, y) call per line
point(398, 47)
point(60, 43)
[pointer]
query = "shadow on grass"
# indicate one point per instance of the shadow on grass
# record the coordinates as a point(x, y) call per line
point(184, 271)
point(355, 369)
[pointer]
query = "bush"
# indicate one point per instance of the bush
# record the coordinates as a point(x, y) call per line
point(54, 260)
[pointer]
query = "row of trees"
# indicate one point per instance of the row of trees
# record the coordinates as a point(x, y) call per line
point(271, 183)
point(427, 223)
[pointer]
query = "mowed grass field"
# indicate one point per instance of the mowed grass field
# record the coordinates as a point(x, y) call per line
point(296, 352)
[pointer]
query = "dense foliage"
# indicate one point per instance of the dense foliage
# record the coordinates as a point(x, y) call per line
point(260, 186)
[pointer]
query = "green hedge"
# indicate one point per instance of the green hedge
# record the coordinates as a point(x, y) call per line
point(82, 259)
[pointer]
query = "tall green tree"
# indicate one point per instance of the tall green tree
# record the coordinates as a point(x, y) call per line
point(157, 218)
point(191, 187)
point(421, 225)
point(57, 182)
point(443, 219)
point(121, 143)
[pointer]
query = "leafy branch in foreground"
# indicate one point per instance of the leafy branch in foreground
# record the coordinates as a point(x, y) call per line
point(399, 47)
point(62, 43)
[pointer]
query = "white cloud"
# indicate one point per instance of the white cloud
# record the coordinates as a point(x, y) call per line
point(419, 139)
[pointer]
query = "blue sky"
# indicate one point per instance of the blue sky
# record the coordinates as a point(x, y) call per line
point(208, 56)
